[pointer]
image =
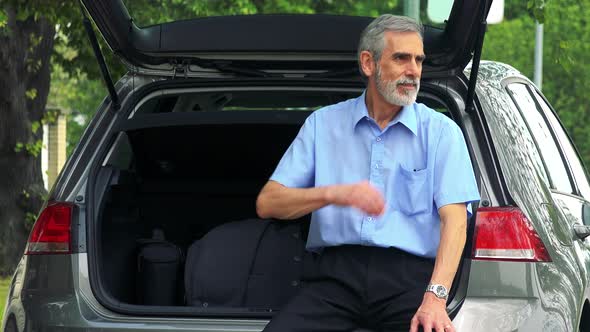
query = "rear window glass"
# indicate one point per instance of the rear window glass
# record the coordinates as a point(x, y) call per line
point(150, 12)
point(543, 136)
point(261, 100)
point(244, 101)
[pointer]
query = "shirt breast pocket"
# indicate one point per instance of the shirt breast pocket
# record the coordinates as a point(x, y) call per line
point(412, 195)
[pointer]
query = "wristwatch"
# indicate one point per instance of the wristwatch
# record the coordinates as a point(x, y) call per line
point(439, 290)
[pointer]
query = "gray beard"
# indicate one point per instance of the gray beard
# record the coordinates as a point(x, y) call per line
point(388, 89)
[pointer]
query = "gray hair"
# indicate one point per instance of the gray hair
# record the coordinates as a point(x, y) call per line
point(372, 38)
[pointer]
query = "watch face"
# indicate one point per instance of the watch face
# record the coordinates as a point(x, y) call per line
point(439, 290)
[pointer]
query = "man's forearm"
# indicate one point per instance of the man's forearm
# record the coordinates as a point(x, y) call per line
point(432, 312)
point(280, 202)
point(452, 242)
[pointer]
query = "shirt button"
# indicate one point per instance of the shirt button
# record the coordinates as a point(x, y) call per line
point(297, 258)
point(370, 219)
point(378, 139)
point(376, 166)
point(294, 283)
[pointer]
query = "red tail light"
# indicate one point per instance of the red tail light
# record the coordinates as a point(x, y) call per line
point(505, 234)
point(51, 232)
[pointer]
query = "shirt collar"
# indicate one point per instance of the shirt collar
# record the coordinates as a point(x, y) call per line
point(360, 110)
point(407, 115)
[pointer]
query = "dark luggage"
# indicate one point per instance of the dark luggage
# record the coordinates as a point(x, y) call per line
point(159, 272)
point(252, 263)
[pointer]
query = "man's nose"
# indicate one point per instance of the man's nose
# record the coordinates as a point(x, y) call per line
point(413, 68)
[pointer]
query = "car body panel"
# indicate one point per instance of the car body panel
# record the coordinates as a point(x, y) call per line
point(506, 314)
point(560, 283)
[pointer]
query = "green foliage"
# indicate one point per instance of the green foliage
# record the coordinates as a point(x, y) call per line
point(33, 65)
point(30, 219)
point(35, 194)
point(78, 97)
point(564, 58)
point(50, 117)
point(3, 18)
point(565, 70)
point(519, 34)
point(537, 8)
point(149, 12)
point(35, 126)
point(54, 10)
point(33, 148)
point(31, 94)
point(4, 285)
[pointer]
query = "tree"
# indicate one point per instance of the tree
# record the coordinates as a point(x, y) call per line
point(564, 57)
point(28, 42)
point(30, 33)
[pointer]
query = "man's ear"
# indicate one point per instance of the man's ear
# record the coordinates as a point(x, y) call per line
point(367, 63)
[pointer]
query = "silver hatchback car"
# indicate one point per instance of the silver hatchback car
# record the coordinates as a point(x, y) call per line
point(151, 225)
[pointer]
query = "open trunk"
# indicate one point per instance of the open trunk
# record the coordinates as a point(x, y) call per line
point(185, 169)
point(180, 183)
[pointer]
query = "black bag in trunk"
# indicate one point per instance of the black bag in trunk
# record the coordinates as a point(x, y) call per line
point(252, 263)
point(159, 266)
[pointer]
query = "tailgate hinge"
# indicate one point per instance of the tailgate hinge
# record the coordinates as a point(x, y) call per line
point(180, 69)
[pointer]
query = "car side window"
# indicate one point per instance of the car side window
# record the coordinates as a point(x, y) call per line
point(572, 156)
point(527, 144)
point(544, 138)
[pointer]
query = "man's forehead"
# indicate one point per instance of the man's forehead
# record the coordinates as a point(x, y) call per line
point(404, 42)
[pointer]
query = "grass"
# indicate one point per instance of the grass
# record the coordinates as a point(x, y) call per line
point(4, 282)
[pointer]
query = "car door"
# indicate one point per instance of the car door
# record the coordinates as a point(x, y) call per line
point(578, 203)
point(557, 158)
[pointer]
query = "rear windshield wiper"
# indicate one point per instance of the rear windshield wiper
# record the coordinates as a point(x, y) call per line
point(227, 66)
point(346, 72)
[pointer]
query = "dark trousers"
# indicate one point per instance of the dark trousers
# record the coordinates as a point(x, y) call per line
point(357, 286)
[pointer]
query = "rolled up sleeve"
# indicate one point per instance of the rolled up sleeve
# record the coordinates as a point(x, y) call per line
point(454, 179)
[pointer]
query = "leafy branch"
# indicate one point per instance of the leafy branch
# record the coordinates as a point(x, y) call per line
point(34, 148)
point(537, 9)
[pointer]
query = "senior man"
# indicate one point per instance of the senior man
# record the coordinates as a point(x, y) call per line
point(389, 184)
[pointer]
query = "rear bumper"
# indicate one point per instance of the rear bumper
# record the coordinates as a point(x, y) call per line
point(477, 314)
point(71, 306)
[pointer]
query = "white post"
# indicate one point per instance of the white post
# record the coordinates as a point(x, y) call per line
point(538, 78)
point(55, 142)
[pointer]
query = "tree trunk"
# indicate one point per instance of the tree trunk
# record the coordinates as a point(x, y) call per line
point(24, 85)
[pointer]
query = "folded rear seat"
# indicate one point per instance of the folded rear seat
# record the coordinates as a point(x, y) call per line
point(252, 263)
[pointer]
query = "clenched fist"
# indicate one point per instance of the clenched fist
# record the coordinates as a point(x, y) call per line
point(362, 196)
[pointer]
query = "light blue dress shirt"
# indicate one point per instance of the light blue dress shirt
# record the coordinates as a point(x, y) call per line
point(419, 162)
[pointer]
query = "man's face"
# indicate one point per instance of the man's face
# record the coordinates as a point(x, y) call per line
point(397, 73)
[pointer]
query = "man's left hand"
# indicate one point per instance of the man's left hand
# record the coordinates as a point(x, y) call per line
point(432, 315)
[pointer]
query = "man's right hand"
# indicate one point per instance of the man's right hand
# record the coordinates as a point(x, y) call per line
point(361, 195)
